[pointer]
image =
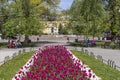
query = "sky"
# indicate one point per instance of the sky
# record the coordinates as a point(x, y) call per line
point(65, 4)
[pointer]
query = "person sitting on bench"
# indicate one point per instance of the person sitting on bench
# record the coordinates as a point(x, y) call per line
point(89, 42)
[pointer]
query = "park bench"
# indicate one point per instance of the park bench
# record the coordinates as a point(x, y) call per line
point(90, 44)
point(83, 44)
point(106, 44)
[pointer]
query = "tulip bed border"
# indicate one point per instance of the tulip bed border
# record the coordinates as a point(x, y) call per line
point(86, 72)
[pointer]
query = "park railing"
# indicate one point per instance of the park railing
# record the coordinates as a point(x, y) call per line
point(7, 58)
point(109, 62)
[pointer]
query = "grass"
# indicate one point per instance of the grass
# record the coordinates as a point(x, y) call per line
point(102, 70)
point(9, 69)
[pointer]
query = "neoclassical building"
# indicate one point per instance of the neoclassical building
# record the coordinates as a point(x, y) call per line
point(53, 27)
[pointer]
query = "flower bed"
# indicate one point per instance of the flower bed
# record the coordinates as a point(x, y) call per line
point(54, 63)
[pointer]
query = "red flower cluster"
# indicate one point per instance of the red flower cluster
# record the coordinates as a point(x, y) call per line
point(54, 63)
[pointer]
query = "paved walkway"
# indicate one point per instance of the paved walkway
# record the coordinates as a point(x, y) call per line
point(107, 54)
point(113, 55)
point(9, 52)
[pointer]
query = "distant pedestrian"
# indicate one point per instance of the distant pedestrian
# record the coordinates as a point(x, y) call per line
point(68, 39)
point(88, 42)
point(11, 44)
point(18, 44)
point(93, 42)
point(37, 39)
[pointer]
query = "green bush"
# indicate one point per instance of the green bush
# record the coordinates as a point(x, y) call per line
point(74, 44)
point(99, 43)
point(114, 46)
point(32, 44)
point(3, 44)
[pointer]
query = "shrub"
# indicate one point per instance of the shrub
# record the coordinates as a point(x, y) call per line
point(114, 46)
point(32, 44)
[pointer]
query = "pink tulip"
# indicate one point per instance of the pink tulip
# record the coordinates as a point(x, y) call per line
point(55, 63)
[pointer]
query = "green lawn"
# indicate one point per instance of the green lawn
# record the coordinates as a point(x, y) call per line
point(102, 70)
point(9, 69)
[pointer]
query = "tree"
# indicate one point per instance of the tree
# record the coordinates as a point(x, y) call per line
point(88, 14)
point(93, 13)
point(77, 21)
point(3, 13)
point(74, 11)
point(24, 17)
point(113, 8)
point(50, 9)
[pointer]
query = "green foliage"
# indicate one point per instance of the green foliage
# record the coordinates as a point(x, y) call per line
point(88, 16)
point(27, 26)
point(10, 27)
point(22, 19)
point(3, 13)
point(74, 11)
point(76, 44)
point(95, 15)
point(114, 46)
point(32, 44)
point(3, 45)
point(114, 15)
point(50, 9)
point(24, 16)
point(62, 29)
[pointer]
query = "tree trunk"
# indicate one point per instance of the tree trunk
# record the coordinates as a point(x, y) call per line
point(26, 39)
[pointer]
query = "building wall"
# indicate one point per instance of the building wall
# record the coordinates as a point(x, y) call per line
point(52, 27)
